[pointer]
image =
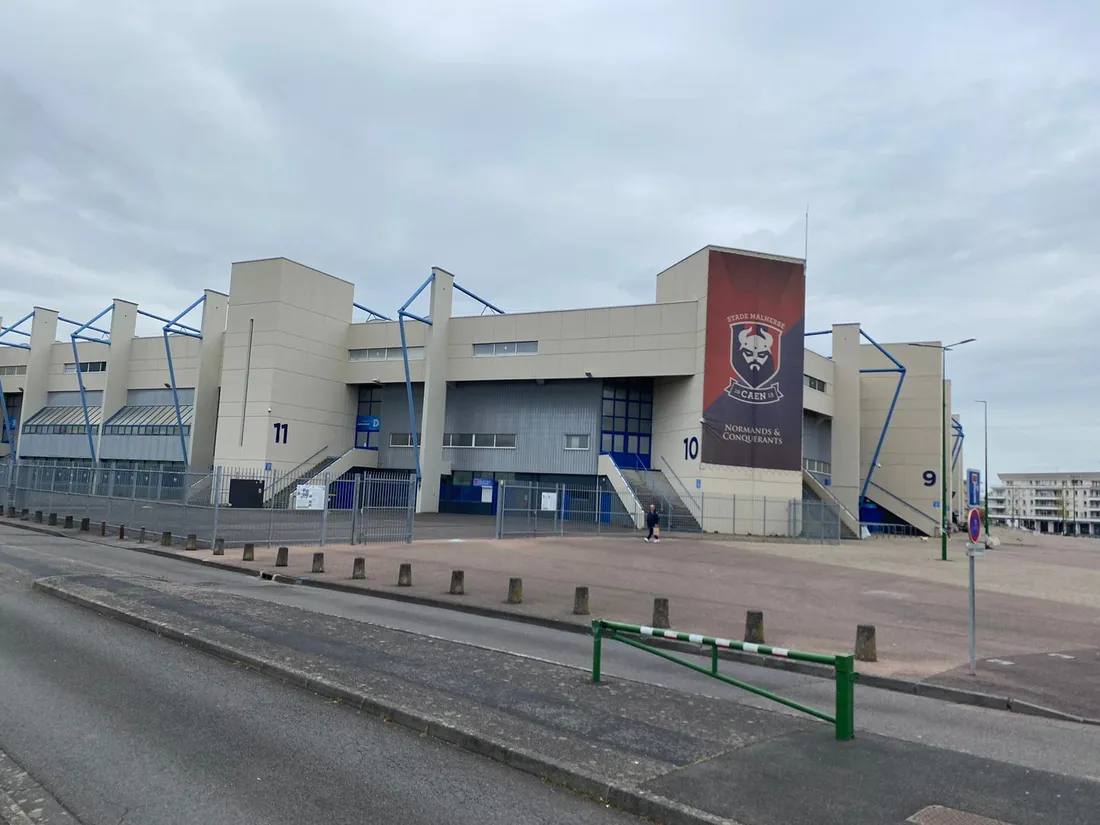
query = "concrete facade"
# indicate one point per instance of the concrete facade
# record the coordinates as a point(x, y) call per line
point(276, 378)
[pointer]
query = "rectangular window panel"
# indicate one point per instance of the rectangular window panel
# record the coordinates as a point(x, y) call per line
point(635, 395)
point(620, 408)
point(506, 441)
point(632, 425)
point(645, 426)
point(608, 407)
point(376, 354)
point(620, 425)
point(485, 440)
point(576, 442)
point(416, 353)
point(484, 350)
point(620, 393)
point(643, 445)
point(527, 347)
point(506, 348)
point(632, 444)
point(605, 442)
point(461, 440)
point(607, 423)
point(645, 411)
point(618, 444)
point(632, 409)
point(400, 439)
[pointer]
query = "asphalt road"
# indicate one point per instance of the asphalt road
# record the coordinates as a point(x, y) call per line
point(1062, 748)
point(123, 727)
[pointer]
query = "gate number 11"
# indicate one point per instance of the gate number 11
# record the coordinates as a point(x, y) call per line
point(281, 431)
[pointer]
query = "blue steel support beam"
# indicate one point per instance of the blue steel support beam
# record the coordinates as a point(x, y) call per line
point(170, 321)
point(401, 315)
point(8, 436)
point(889, 414)
point(101, 331)
point(481, 301)
point(370, 311)
point(173, 326)
point(15, 327)
point(80, 375)
point(13, 345)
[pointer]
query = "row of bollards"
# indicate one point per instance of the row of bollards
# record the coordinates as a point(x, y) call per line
point(866, 647)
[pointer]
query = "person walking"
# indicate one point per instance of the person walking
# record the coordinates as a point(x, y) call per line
point(653, 522)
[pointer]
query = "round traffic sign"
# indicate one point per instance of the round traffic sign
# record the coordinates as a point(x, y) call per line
point(974, 524)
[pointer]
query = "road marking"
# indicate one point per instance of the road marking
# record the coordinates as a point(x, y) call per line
point(1061, 656)
point(1000, 662)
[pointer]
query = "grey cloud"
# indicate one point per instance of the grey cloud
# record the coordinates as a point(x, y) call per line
point(561, 155)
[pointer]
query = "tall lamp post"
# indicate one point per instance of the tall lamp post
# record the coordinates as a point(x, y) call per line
point(985, 432)
point(944, 504)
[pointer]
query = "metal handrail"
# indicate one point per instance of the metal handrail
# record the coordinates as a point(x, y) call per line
point(683, 491)
point(626, 484)
point(906, 503)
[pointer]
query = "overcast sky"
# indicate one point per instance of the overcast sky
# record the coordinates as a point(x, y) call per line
point(560, 154)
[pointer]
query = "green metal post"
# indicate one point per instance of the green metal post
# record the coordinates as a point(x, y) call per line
point(944, 424)
point(845, 698)
point(714, 659)
point(597, 649)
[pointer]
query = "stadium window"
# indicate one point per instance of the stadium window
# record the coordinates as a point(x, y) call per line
point(577, 441)
point(86, 366)
point(505, 348)
point(814, 383)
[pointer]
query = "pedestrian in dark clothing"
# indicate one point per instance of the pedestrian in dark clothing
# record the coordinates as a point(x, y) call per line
point(653, 522)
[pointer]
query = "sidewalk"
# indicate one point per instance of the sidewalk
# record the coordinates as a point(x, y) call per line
point(688, 757)
point(1038, 603)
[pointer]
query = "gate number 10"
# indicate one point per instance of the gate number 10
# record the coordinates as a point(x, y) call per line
point(691, 448)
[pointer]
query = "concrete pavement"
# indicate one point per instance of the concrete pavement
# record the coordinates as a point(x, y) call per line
point(124, 727)
point(725, 758)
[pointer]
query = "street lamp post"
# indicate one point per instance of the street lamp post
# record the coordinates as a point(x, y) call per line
point(944, 425)
point(985, 433)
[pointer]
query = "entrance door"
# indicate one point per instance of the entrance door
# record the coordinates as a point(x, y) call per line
point(626, 423)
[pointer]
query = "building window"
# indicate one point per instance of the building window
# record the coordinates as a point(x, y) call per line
point(385, 354)
point(814, 383)
point(576, 442)
point(403, 439)
point(14, 369)
point(488, 441)
point(87, 366)
point(506, 348)
point(813, 465)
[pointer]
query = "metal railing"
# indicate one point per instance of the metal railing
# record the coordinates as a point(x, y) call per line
point(532, 510)
point(842, 718)
point(363, 509)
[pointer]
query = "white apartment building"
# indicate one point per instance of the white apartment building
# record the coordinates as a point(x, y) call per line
point(1063, 503)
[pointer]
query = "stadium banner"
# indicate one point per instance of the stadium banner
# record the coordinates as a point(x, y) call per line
point(754, 359)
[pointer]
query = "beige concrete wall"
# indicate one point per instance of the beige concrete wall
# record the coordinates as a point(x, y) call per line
point(822, 368)
point(847, 473)
point(149, 363)
point(36, 383)
point(61, 353)
point(215, 309)
point(913, 441)
point(685, 280)
point(434, 412)
point(285, 361)
point(123, 323)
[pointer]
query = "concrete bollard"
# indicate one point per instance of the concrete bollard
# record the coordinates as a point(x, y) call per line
point(11, 511)
point(359, 568)
point(37, 516)
point(219, 546)
point(458, 583)
point(405, 575)
point(192, 542)
point(754, 626)
point(866, 646)
point(282, 557)
point(249, 552)
point(580, 601)
point(318, 563)
point(52, 520)
point(25, 514)
point(103, 528)
point(85, 525)
point(141, 535)
point(515, 591)
point(660, 614)
point(68, 522)
point(121, 532)
point(166, 538)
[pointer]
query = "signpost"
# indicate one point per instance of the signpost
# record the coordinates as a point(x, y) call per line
point(973, 550)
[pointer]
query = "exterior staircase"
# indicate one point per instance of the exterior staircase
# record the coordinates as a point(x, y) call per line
point(281, 500)
point(652, 487)
point(824, 516)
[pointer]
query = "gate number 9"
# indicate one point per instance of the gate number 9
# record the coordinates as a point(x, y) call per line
point(929, 478)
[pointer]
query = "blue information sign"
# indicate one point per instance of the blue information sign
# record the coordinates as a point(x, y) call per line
point(367, 424)
point(974, 488)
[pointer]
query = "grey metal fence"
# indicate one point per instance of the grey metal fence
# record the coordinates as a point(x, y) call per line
point(527, 510)
point(236, 505)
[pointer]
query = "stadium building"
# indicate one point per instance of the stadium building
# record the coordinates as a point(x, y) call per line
point(709, 393)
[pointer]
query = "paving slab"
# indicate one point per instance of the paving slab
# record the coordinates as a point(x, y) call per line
point(706, 759)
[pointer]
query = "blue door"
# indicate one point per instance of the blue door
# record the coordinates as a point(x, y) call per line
point(626, 422)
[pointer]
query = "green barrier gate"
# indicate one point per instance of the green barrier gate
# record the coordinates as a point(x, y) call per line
point(844, 666)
